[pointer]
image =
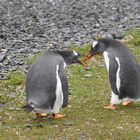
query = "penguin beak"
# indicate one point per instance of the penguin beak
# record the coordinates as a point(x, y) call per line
point(76, 60)
point(82, 63)
point(88, 57)
point(79, 62)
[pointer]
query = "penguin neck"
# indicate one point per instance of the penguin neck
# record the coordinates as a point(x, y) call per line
point(66, 61)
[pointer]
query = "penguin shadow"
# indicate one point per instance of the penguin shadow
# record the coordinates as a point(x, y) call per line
point(43, 119)
point(40, 123)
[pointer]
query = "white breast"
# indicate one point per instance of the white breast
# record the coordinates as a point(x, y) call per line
point(65, 65)
point(106, 58)
point(59, 93)
point(118, 81)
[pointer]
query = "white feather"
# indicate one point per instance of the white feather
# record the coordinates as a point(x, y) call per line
point(118, 81)
point(94, 43)
point(106, 58)
point(114, 99)
point(59, 94)
point(65, 65)
point(75, 53)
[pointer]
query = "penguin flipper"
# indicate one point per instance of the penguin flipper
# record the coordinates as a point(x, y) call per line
point(64, 82)
point(113, 68)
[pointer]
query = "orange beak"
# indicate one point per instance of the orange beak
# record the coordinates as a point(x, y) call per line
point(88, 57)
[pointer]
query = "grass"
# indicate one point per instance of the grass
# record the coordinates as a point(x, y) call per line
point(86, 119)
point(134, 34)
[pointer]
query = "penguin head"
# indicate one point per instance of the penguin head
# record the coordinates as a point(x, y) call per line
point(70, 57)
point(97, 47)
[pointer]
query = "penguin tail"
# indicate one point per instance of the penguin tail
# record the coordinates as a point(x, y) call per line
point(28, 108)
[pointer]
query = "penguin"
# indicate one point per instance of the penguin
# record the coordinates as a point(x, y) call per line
point(123, 71)
point(46, 84)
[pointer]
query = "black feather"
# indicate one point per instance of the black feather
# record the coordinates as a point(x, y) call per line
point(28, 108)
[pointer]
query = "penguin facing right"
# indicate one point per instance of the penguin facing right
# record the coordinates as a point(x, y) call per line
point(46, 83)
point(123, 71)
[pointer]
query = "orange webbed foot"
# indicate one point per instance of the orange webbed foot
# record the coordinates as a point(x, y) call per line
point(127, 103)
point(111, 107)
point(40, 115)
point(57, 116)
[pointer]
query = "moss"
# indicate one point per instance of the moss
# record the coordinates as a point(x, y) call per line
point(15, 78)
point(32, 59)
point(136, 42)
point(134, 35)
point(133, 32)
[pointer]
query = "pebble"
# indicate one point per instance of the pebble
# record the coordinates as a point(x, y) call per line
point(2, 57)
point(88, 75)
point(28, 27)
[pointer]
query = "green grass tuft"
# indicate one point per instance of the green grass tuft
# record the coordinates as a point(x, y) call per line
point(15, 78)
point(133, 32)
point(32, 59)
point(134, 37)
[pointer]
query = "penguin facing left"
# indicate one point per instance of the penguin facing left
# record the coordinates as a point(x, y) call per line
point(46, 84)
point(123, 71)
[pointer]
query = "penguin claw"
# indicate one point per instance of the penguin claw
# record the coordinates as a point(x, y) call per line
point(56, 116)
point(111, 107)
point(127, 103)
point(40, 115)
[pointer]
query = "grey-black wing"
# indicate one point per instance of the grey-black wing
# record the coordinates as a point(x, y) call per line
point(64, 82)
point(113, 67)
point(41, 85)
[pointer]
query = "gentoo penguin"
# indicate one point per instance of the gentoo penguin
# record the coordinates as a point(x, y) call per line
point(123, 71)
point(46, 85)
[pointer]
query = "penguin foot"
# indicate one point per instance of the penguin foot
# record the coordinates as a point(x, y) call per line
point(56, 116)
point(111, 107)
point(127, 103)
point(40, 115)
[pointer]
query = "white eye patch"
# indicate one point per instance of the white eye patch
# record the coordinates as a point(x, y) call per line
point(94, 44)
point(75, 53)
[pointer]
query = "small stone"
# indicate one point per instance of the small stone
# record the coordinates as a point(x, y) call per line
point(88, 75)
point(88, 69)
point(68, 123)
point(61, 23)
point(107, 35)
point(38, 125)
point(28, 126)
point(2, 105)
point(2, 57)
